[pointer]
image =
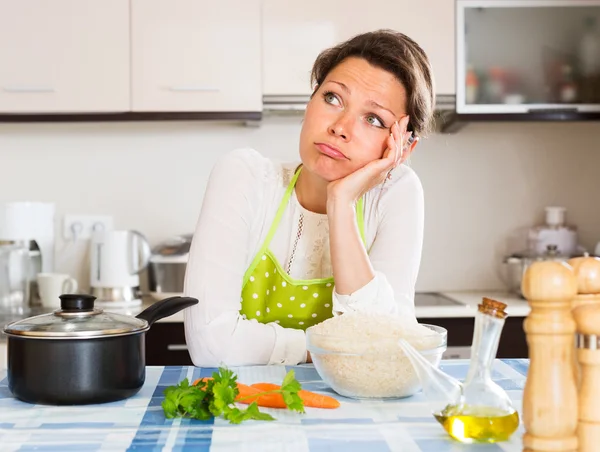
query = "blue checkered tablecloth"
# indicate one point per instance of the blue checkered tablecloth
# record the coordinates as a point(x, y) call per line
point(138, 423)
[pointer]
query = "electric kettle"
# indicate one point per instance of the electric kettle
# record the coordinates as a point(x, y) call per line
point(117, 258)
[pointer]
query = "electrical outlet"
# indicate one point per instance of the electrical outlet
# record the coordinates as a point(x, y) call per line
point(82, 226)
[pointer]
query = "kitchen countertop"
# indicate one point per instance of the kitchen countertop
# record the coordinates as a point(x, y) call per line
point(465, 305)
point(461, 304)
point(139, 423)
point(468, 301)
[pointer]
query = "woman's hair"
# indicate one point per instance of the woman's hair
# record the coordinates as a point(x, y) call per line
point(397, 54)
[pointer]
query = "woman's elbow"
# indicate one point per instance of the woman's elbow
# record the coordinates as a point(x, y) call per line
point(228, 341)
point(200, 350)
point(201, 359)
point(202, 355)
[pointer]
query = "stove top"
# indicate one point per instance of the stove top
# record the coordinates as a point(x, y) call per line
point(434, 299)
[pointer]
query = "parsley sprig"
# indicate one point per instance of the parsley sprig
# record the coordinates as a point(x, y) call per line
point(216, 397)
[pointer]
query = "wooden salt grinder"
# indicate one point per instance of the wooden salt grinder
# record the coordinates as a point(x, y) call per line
point(587, 272)
point(550, 393)
point(587, 318)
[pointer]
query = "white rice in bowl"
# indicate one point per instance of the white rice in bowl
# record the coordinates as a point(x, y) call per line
point(358, 355)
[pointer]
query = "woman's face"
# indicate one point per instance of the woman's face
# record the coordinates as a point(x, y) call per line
point(348, 119)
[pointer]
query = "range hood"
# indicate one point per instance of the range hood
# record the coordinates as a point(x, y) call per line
point(274, 106)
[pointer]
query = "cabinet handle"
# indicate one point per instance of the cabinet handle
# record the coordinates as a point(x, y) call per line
point(176, 347)
point(192, 88)
point(28, 89)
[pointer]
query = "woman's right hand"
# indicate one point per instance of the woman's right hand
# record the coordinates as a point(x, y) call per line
point(350, 188)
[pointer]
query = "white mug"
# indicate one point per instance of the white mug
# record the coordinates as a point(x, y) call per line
point(52, 285)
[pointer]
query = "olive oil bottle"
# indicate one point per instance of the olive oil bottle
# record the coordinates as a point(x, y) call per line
point(484, 412)
point(477, 410)
point(478, 423)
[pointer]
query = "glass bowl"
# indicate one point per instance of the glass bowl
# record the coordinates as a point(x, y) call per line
point(359, 368)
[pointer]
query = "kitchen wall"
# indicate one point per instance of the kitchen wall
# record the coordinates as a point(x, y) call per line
point(482, 185)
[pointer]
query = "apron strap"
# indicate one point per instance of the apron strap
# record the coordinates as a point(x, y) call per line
point(282, 205)
point(280, 211)
point(273, 228)
point(360, 218)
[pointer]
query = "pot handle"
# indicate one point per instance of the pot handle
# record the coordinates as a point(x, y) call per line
point(166, 308)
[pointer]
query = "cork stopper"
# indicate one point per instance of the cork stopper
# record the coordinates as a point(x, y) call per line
point(587, 272)
point(550, 281)
point(493, 308)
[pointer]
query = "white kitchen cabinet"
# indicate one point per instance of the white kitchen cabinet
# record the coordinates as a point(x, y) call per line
point(295, 32)
point(64, 56)
point(196, 55)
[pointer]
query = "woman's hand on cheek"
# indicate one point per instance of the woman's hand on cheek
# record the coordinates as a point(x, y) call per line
point(350, 188)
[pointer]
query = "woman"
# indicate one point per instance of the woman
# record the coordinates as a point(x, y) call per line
point(279, 248)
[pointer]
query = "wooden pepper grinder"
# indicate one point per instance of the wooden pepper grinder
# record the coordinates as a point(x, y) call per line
point(587, 318)
point(550, 393)
point(587, 272)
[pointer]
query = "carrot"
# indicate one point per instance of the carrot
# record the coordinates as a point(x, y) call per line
point(311, 399)
point(248, 394)
point(205, 379)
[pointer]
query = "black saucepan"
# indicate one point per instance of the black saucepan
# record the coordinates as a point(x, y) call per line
point(80, 355)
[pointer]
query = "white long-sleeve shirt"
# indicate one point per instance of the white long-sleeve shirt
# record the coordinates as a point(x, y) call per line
point(242, 197)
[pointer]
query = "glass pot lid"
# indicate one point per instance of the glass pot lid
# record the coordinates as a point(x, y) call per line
point(76, 319)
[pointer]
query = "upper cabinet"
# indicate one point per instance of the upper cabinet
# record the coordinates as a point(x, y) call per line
point(190, 56)
point(295, 32)
point(528, 57)
point(196, 55)
point(64, 56)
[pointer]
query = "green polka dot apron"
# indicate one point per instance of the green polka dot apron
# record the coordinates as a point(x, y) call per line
point(269, 294)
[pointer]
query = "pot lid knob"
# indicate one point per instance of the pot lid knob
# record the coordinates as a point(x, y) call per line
point(76, 302)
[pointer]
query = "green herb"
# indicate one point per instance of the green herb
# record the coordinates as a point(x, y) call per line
point(216, 397)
